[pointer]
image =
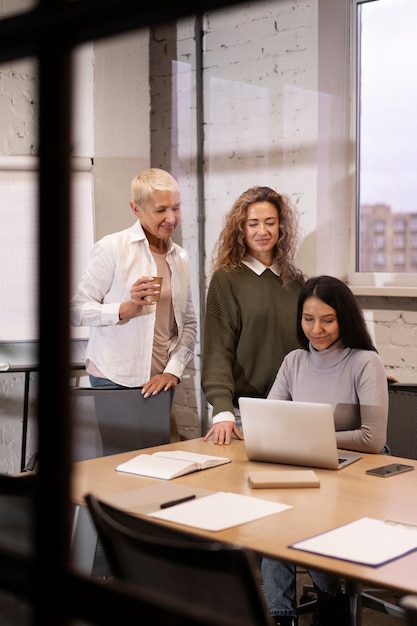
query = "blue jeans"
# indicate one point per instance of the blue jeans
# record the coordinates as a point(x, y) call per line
point(103, 383)
point(279, 581)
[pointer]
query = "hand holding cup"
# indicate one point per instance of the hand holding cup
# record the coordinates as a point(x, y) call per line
point(154, 286)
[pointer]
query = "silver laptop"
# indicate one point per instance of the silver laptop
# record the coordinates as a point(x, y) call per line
point(292, 433)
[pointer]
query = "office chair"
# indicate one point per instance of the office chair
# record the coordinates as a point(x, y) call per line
point(108, 421)
point(210, 578)
point(402, 420)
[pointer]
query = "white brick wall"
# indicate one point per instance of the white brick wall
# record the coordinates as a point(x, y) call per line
point(395, 328)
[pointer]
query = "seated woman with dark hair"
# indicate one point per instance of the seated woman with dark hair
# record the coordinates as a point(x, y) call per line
point(336, 364)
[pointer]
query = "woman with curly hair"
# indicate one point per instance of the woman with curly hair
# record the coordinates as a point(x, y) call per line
point(251, 305)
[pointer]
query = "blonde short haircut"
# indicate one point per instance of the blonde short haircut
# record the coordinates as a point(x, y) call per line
point(150, 180)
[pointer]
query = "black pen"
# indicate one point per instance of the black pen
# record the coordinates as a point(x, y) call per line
point(166, 505)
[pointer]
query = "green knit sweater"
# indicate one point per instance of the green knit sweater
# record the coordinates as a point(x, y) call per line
point(249, 328)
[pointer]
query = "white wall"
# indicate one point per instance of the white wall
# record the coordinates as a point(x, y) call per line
point(121, 126)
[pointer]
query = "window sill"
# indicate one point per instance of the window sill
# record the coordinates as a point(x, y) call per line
point(389, 292)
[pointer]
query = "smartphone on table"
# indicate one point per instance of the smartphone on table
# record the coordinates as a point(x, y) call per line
point(390, 470)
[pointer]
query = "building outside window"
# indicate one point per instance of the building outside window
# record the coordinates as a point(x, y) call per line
point(386, 89)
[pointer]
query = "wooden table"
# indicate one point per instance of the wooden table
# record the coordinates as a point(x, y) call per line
point(343, 496)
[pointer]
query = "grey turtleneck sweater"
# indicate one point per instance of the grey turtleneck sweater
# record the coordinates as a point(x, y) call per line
point(353, 381)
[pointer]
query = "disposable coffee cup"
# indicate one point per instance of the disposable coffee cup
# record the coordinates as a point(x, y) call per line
point(157, 280)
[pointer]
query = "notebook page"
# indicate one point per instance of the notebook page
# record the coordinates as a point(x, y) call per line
point(219, 511)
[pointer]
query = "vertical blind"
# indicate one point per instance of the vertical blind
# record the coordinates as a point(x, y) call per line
point(19, 242)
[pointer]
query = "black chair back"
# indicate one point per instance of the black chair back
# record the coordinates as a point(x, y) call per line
point(211, 577)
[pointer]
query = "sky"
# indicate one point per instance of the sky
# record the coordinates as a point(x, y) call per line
point(389, 104)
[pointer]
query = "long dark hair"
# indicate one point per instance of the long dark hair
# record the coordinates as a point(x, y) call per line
point(334, 292)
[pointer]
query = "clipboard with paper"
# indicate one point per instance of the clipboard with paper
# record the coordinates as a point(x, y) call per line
point(366, 541)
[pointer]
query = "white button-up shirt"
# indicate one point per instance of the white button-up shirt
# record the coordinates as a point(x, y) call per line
point(122, 350)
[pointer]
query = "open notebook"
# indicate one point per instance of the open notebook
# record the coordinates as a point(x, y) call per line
point(293, 433)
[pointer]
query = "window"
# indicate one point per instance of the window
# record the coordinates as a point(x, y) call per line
point(379, 242)
point(400, 225)
point(399, 241)
point(18, 242)
point(379, 259)
point(399, 258)
point(386, 128)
